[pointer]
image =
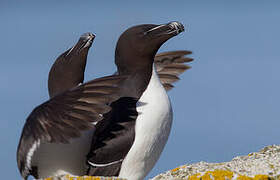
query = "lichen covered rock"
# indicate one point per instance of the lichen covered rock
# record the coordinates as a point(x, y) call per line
point(263, 165)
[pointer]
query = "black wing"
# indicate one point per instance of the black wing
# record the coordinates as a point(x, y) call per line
point(65, 116)
point(170, 65)
point(113, 138)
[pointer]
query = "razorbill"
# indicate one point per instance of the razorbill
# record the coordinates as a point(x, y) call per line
point(68, 69)
point(130, 147)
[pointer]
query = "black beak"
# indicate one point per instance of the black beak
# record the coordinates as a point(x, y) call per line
point(172, 28)
point(85, 41)
point(176, 27)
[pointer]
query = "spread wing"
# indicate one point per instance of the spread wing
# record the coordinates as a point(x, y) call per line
point(170, 65)
point(65, 116)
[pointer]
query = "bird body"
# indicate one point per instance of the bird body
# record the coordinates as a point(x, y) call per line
point(152, 129)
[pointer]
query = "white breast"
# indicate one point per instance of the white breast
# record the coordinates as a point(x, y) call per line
point(152, 129)
point(60, 159)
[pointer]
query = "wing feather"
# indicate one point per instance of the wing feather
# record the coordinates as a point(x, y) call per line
point(66, 115)
point(170, 65)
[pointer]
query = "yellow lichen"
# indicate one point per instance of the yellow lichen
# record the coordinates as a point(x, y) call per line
point(175, 169)
point(194, 177)
point(183, 167)
point(88, 178)
point(80, 178)
point(206, 176)
point(241, 177)
point(227, 175)
point(213, 175)
point(250, 154)
point(261, 177)
point(271, 166)
point(222, 174)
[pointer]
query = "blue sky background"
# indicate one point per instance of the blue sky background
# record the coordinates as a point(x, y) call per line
point(226, 105)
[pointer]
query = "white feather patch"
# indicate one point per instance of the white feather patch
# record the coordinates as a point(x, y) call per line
point(30, 154)
point(104, 165)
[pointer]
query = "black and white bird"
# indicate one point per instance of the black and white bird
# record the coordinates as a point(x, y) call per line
point(127, 117)
point(126, 147)
point(67, 72)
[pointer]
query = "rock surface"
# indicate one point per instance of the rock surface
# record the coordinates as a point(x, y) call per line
point(255, 166)
point(262, 165)
point(67, 177)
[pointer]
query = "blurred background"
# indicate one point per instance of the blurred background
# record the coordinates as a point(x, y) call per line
point(226, 105)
